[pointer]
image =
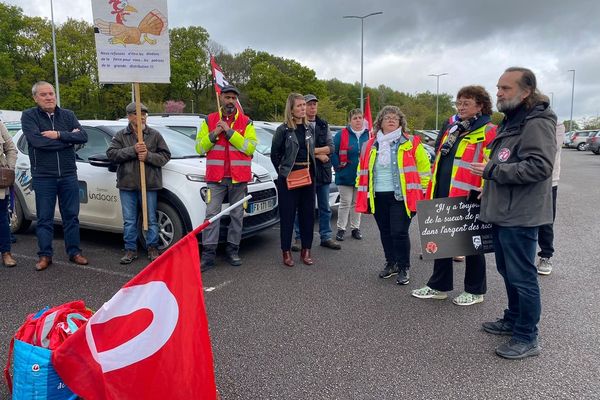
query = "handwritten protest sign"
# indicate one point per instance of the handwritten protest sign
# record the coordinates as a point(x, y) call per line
point(132, 41)
point(451, 227)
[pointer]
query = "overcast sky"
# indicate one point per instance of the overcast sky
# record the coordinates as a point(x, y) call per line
point(471, 40)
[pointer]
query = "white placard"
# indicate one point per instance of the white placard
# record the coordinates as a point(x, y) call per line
point(132, 41)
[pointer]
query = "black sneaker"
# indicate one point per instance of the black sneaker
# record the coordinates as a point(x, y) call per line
point(499, 327)
point(515, 349)
point(340, 235)
point(389, 270)
point(128, 258)
point(403, 276)
point(296, 245)
point(331, 244)
point(356, 234)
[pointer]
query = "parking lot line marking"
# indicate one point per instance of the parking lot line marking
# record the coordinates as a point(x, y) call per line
point(219, 286)
point(70, 264)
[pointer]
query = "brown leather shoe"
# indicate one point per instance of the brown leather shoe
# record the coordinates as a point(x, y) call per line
point(78, 259)
point(8, 260)
point(305, 255)
point(43, 263)
point(288, 261)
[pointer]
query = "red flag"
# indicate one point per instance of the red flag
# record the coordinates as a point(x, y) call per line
point(150, 341)
point(368, 119)
point(220, 81)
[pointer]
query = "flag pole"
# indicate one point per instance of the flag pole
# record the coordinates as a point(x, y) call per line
point(219, 215)
point(140, 138)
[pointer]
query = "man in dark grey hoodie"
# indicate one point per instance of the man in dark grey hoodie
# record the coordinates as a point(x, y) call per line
point(516, 200)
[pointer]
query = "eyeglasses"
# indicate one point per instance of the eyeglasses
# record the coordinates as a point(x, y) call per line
point(391, 118)
point(144, 113)
point(464, 103)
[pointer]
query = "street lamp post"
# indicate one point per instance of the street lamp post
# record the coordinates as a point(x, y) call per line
point(192, 105)
point(362, 26)
point(437, 96)
point(572, 96)
point(54, 50)
point(551, 99)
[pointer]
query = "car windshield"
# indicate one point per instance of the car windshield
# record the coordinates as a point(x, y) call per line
point(180, 145)
point(264, 138)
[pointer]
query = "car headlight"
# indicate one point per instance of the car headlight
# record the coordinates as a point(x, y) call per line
point(195, 177)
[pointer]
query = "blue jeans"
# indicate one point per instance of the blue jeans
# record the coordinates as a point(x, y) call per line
point(324, 214)
point(46, 192)
point(131, 201)
point(515, 259)
point(4, 225)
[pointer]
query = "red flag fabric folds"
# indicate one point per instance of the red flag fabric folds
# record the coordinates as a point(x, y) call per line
point(368, 118)
point(150, 341)
point(220, 81)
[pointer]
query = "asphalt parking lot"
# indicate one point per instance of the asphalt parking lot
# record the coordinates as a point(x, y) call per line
point(336, 331)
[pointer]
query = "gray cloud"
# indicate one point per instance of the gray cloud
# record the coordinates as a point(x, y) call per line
point(472, 40)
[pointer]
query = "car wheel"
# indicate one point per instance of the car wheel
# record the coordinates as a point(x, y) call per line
point(581, 146)
point(18, 222)
point(170, 227)
point(597, 151)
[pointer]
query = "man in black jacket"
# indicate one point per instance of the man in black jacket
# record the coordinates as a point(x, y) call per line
point(128, 153)
point(517, 200)
point(323, 176)
point(52, 133)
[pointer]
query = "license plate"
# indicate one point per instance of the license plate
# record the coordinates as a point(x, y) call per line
point(260, 206)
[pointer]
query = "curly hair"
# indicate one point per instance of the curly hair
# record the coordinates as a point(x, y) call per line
point(389, 110)
point(480, 95)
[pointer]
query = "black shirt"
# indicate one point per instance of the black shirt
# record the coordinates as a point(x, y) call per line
point(302, 156)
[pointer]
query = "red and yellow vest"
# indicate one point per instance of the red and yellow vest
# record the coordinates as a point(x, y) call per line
point(471, 148)
point(217, 154)
point(344, 145)
point(414, 168)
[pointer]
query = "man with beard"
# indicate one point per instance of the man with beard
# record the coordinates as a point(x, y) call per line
point(228, 139)
point(517, 200)
point(127, 152)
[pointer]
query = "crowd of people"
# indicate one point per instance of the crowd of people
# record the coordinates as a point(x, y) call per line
point(384, 171)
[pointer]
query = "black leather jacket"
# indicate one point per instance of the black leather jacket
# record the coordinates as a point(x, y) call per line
point(323, 138)
point(284, 149)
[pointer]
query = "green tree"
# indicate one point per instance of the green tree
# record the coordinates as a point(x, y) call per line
point(190, 71)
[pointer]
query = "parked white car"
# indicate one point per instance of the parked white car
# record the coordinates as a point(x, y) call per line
point(181, 205)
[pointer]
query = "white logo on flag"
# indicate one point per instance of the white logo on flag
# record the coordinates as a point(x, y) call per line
point(154, 296)
point(220, 78)
point(477, 242)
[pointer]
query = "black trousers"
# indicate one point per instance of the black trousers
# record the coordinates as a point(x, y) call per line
point(302, 201)
point(443, 274)
point(546, 232)
point(393, 223)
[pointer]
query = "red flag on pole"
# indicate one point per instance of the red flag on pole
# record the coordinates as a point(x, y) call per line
point(220, 81)
point(368, 119)
point(150, 341)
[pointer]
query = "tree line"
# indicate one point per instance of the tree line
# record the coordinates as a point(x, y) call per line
point(264, 79)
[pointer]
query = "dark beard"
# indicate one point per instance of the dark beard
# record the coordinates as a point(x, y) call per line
point(229, 109)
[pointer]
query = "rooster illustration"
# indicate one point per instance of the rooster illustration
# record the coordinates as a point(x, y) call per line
point(121, 8)
point(154, 23)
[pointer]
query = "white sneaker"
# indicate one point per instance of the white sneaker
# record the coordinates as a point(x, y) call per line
point(544, 266)
point(428, 293)
point(467, 299)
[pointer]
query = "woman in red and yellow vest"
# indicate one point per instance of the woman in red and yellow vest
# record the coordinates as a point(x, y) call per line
point(463, 140)
point(393, 173)
point(347, 144)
